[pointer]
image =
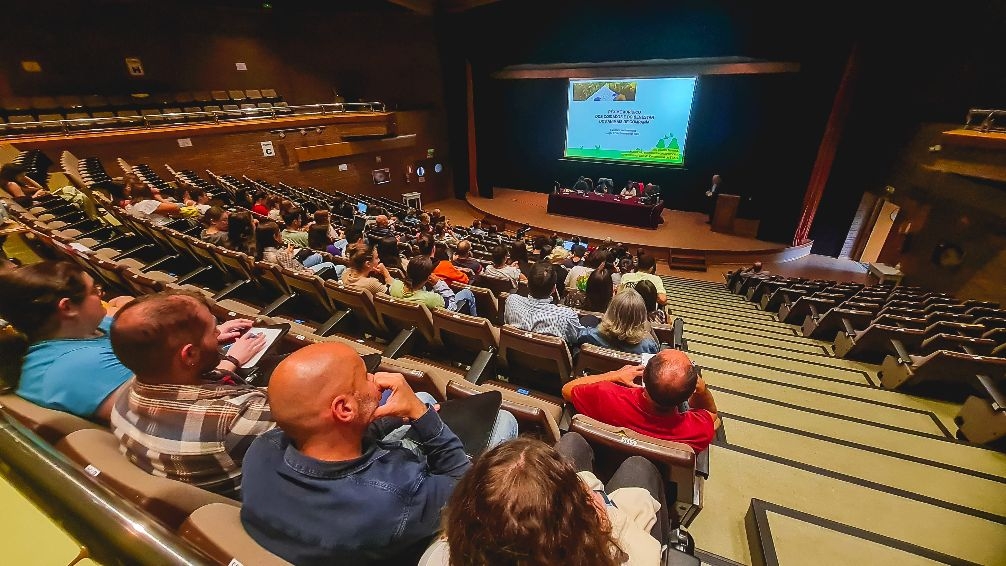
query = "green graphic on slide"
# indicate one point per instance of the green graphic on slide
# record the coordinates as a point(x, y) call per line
point(666, 150)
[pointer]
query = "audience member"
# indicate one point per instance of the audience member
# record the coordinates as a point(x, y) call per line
point(241, 232)
point(646, 268)
point(321, 490)
point(655, 312)
point(179, 419)
point(23, 189)
point(364, 265)
point(656, 409)
point(69, 365)
point(577, 276)
point(422, 286)
point(270, 247)
point(576, 256)
point(463, 257)
point(293, 230)
point(536, 313)
point(500, 270)
point(444, 268)
point(599, 290)
point(380, 229)
point(272, 203)
point(388, 253)
point(144, 205)
point(624, 327)
point(518, 253)
point(526, 503)
point(477, 228)
point(260, 205)
point(216, 222)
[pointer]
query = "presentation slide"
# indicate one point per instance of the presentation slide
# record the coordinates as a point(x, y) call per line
point(629, 120)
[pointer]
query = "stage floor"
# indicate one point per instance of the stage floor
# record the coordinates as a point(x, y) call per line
point(687, 230)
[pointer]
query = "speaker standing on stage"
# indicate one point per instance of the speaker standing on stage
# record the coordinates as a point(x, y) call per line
point(712, 194)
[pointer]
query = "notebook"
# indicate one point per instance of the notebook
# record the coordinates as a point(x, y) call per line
point(472, 419)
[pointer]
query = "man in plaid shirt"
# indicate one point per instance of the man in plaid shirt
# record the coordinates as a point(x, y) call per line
point(183, 419)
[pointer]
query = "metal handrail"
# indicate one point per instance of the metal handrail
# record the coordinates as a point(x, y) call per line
point(172, 118)
point(112, 529)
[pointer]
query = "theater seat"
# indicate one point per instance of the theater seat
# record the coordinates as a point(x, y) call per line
point(411, 321)
point(943, 374)
point(538, 361)
point(50, 424)
point(216, 530)
point(471, 340)
point(594, 359)
point(872, 344)
point(983, 421)
point(677, 462)
point(169, 501)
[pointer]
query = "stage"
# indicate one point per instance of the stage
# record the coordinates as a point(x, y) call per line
point(682, 233)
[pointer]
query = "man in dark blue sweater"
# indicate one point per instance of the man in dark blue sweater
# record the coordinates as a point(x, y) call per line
point(320, 489)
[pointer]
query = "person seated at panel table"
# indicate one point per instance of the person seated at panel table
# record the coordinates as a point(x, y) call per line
point(629, 190)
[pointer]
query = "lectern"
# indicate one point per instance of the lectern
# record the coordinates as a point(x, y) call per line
point(725, 212)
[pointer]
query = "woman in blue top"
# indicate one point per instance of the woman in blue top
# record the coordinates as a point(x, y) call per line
point(624, 327)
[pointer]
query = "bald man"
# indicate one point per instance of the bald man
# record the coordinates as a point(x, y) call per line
point(185, 416)
point(322, 490)
point(380, 229)
point(669, 379)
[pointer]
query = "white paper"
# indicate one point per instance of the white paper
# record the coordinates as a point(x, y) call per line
point(270, 336)
point(646, 358)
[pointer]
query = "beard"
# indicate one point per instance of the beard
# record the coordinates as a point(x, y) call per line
point(209, 360)
point(367, 405)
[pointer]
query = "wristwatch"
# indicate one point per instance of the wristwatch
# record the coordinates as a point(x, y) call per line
point(233, 360)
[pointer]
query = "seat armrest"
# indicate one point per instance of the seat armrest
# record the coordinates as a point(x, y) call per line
point(702, 464)
point(567, 417)
point(988, 388)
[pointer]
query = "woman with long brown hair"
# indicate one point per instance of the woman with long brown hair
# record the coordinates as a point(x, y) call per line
point(523, 503)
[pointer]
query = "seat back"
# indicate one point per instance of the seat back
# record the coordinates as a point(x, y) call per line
point(497, 284)
point(360, 303)
point(271, 276)
point(50, 424)
point(311, 289)
point(465, 333)
point(418, 379)
point(537, 360)
point(613, 445)
point(535, 417)
point(169, 501)
point(216, 530)
point(943, 341)
point(872, 344)
point(594, 359)
point(401, 314)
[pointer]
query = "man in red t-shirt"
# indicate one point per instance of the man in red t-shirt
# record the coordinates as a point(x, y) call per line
point(669, 379)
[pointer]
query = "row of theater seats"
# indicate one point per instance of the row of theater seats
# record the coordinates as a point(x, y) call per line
point(927, 343)
point(38, 105)
point(135, 258)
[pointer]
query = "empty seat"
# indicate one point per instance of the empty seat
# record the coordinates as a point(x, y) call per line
point(169, 501)
point(944, 374)
point(876, 341)
point(783, 296)
point(796, 312)
point(50, 424)
point(832, 321)
point(254, 95)
point(220, 96)
point(270, 95)
point(956, 342)
point(465, 338)
point(216, 530)
point(237, 95)
point(983, 421)
point(360, 305)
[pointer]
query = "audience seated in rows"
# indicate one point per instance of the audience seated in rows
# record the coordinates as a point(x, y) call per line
point(655, 408)
point(624, 327)
point(422, 286)
point(324, 488)
point(293, 229)
point(526, 503)
point(241, 232)
point(536, 313)
point(443, 267)
point(183, 416)
point(576, 279)
point(380, 229)
point(598, 293)
point(16, 182)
